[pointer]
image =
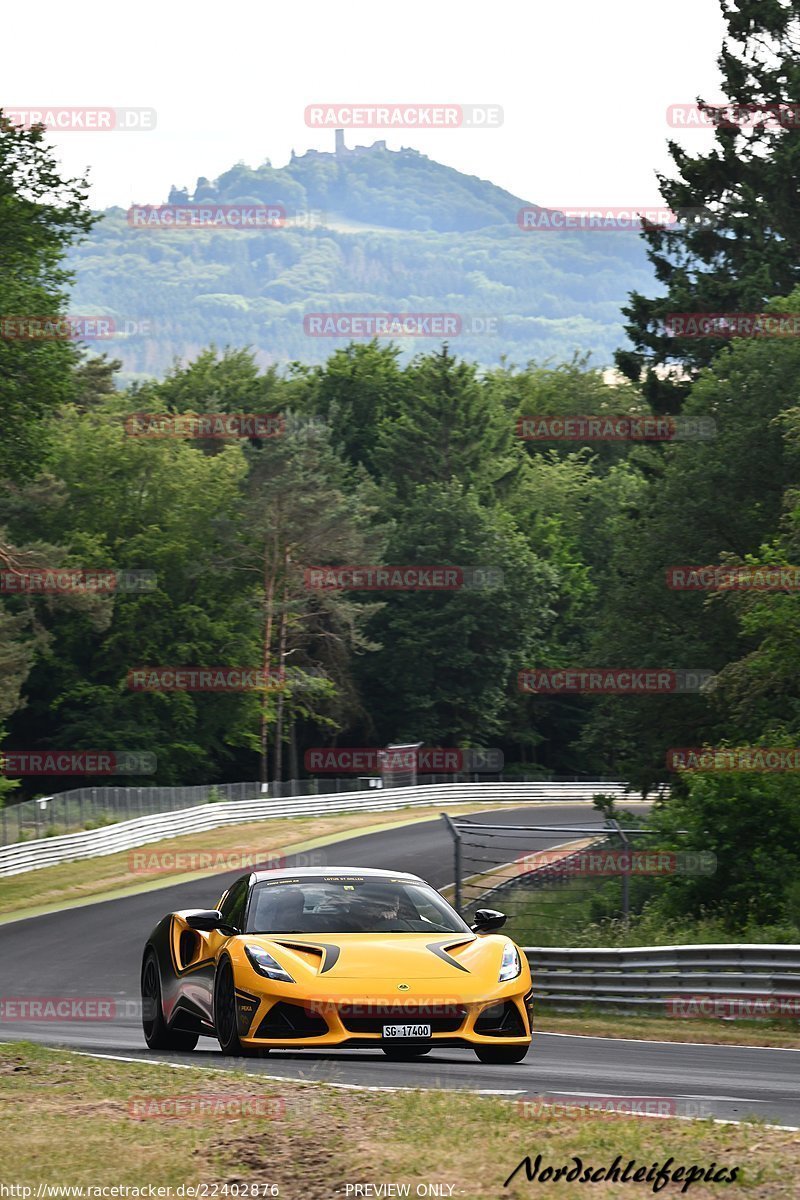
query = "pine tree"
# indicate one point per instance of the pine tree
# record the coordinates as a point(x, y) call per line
point(749, 250)
point(447, 426)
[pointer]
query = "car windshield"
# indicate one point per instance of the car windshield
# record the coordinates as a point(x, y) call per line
point(350, 905)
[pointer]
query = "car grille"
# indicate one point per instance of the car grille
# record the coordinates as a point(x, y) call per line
point(501, 1020)
point(291, 1021)
point(442, 1018)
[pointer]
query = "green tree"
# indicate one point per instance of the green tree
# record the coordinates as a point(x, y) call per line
point(356, 389)
point(447, 672)
point(41, 216)
point(448, 426)
point(17, 648)
point(747, 185)
point(751, 823)
point(759, 691)
point(147, 505)
point(708, 501)
point(227, 382)
point(303, 507)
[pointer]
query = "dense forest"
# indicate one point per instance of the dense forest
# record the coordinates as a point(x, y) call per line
point(383, 459)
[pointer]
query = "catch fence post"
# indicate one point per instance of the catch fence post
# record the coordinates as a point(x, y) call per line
point(457, 859)
point(626, 875)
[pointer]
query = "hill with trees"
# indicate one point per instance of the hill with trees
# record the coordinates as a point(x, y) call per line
point(373, 231)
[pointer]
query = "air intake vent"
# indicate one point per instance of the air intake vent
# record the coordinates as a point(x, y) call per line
point(291, 1021)
point(501, 1020)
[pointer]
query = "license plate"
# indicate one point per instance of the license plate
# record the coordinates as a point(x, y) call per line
point(406, 1031)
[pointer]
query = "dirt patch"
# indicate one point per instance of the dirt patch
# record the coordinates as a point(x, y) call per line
point(12, 1066)
point(308, 1160)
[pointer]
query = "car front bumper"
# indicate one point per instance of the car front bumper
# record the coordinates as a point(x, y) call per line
point(290, 1022)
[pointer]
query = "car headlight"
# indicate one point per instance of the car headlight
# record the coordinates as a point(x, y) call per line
point(265, 964)
point(510, 966)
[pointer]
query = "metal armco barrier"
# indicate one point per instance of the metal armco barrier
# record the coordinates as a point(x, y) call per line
point(125, 835)
point(712, 980)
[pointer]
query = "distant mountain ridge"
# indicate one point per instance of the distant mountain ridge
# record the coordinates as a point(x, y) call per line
point(390, 231)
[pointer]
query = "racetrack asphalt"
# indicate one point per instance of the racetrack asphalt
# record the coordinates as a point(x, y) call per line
point(95, 951)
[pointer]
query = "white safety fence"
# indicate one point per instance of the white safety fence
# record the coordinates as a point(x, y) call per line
point(125, 835)
point(752, 981)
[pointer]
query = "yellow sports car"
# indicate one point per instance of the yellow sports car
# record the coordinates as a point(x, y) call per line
point(303, 958)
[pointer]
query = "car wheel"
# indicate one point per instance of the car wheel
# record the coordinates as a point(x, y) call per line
point(225, 1022)
point(157, 1033)
point(401, 1053)
point(501, 1054)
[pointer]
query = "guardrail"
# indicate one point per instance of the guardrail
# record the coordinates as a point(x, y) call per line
point(125, 835)
point(713, 980)
point(104, 803)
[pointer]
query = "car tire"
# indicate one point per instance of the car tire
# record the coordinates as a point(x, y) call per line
point(157, 1033)
point(225, 1024)
point(403, 1053)
point(501, 1054)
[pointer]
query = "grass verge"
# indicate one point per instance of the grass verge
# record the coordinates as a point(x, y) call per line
point(112, 874)
point(781, 1034)
point(71, 1120)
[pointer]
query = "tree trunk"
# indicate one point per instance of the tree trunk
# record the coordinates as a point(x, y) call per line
point(269, 607)
point(278, 773)
point(294, 769)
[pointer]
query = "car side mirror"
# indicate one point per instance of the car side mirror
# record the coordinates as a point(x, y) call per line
point(486, 919)
point(207, 920)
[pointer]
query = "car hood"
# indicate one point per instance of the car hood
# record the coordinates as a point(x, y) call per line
point(367, 955)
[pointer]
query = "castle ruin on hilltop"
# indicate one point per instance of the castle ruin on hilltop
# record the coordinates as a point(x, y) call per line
point(340, 149)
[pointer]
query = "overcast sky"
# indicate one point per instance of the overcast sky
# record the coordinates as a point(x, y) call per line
point(584, 87)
